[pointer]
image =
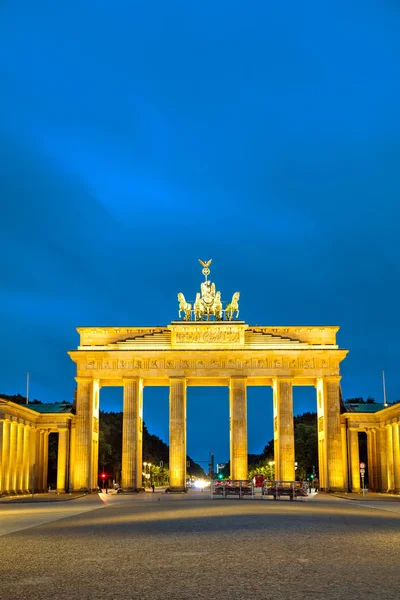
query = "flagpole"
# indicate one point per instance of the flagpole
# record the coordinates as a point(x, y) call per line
point(27, 388)
point(384, 389)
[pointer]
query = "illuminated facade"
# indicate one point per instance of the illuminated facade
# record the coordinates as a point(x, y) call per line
point(208, 347)
point(201, 353)
point(24, 443)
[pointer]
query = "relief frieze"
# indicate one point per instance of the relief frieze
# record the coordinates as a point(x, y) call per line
point(207, 337)
point(256, 363)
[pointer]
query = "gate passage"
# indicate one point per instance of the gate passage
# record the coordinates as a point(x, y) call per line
point(270, 489)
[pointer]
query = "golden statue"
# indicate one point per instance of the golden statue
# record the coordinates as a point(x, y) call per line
point(184, 307)
point(208, 303)
point(206, 263)
point(233, 307)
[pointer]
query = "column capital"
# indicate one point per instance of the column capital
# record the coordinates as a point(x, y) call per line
point(238, 377)
point(130, 379)
point(283, 378)
point(177, 378)
point(84, 379)
point(332, 378)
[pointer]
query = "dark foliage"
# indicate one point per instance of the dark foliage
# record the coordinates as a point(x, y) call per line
point(110, 447)
point(18, 399)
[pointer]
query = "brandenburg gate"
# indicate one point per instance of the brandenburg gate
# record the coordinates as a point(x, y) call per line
point(208, 346)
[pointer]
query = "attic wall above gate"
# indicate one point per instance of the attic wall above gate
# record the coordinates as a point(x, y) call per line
point(207, 350)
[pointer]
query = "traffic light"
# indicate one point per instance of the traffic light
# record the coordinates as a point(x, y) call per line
point(312, 476)
point(103, 475)
point(220, 476)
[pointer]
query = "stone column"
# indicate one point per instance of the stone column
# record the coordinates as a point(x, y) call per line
point(25, 459)
point(238, 427)
point(71, 458)
point(45, 467)
point(389, 445)
point(62, 460)
point(132, 435)
point(335, 475)
point(354, 460)
point(371, 460)
point(4, 455)
point(322, 460)
point(13, 456)
point(177, 434)
point(344, 454)
point(381, 454)
point(84, 435)
point(39, 460)
point(20, 457)
point(283, 430)
point(396, 456)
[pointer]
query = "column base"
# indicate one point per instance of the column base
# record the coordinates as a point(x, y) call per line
point(133, 490)
point(176, 490)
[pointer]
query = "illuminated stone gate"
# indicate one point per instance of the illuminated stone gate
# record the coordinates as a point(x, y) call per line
point(208, 348)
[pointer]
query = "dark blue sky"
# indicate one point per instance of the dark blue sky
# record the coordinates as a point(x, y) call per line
point(135, 139)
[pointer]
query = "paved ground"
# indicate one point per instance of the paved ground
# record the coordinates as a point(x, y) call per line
point(170, 547)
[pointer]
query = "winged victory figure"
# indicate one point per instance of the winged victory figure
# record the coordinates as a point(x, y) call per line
point(206, 263)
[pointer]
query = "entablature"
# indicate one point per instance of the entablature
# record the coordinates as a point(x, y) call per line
point(205, 334)
point(215, 363)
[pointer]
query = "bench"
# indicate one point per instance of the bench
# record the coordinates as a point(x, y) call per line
point(279, 489)
point(232, 487)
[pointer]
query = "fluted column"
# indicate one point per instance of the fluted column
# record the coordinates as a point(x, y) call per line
point(344, 454)
point(132, 435)
point(283, 430)
point(334, 462)
point(71, 458)
point(177, 434)
point(371, 460)
point(13, 456)
point(62, 459)
point(381, 453)
point(4, 455)
point(354, 460)
point(25, 459)
point(83, 435)
point(20, 457)
point(322, 460)
point(238, 427)
point(39, 460)
point(389, 451)
point(45, 467)
point(396, 456)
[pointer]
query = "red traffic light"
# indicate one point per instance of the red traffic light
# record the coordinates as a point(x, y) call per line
point(103, 475)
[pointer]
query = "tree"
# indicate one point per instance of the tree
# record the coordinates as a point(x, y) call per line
point(354, 401)
point(155, 450)
point(19, 399)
